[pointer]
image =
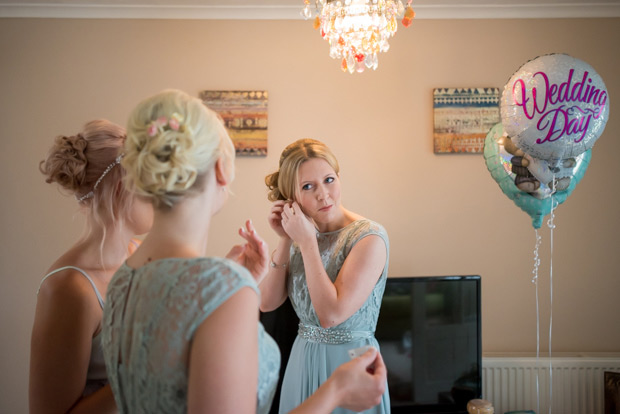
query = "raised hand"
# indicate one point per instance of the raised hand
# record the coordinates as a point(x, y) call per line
point(275, 218)
point(296, 224)
point(254, 254)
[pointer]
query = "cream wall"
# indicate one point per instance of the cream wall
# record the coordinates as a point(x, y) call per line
point(444, 214)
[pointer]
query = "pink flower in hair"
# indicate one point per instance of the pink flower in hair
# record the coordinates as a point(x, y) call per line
point(175, 121)
point(161, 121)
point(152, 129)
point(163, 124)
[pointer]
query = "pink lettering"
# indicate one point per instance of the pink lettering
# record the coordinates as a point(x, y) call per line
point(557, 121)
point(524, 99)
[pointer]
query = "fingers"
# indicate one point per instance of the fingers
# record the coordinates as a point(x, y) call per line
point(236, 252)
point(278, 206)
point(286, 213)
point(379, 367)
point(296, 208)
point(255, 241)
point(366, 379)
point(373, 362)
point(248, 233)
point(368, 358)
point(278, 216)
point(275, 215)
point(251, 236)
point(297, 211)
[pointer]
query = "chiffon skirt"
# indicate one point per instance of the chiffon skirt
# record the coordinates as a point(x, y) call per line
point(310, 364)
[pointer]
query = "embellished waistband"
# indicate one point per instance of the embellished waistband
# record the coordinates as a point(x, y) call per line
point(331, 336)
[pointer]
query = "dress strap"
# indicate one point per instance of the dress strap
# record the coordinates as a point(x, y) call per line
point(99, 298)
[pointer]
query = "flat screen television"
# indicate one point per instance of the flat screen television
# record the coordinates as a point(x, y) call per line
point(429, 331)
point(430, 339)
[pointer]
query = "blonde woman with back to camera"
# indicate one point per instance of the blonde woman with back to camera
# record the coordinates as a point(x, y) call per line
point(67, 370)
point(331, 262)
point(181, 330)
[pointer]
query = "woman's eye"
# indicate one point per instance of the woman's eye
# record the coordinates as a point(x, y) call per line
point(329, 180)
point(306, 187)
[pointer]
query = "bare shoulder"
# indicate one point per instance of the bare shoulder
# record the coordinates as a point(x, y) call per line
point(68, 287)
point(224, 323)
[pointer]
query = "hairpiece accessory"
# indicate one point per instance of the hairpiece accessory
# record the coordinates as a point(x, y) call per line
point(161, 124)
point(91, 193)
point(272, 264)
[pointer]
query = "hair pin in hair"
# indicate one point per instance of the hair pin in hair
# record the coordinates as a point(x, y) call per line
point(161, 124)
point(91, 193)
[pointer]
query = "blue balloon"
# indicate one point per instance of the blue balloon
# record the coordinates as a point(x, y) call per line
point(499, 165)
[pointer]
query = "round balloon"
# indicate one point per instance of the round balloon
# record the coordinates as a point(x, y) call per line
point(536, 204)
point(555, 107)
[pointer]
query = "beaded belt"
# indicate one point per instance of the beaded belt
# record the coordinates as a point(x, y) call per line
point(330, 335)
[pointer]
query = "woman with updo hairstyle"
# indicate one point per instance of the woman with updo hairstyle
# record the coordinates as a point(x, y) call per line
point(67, 370)
point(180, 330)
point(330, 262)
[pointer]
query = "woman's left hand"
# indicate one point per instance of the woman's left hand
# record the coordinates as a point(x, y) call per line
point(296, 224)
point(253, 255)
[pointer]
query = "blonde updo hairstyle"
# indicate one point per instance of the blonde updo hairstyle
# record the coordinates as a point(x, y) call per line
point(167, 163)
point(283, 183)
point(76, 163)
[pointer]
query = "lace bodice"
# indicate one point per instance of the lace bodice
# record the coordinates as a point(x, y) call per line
point(149, 320)
point(334, 248)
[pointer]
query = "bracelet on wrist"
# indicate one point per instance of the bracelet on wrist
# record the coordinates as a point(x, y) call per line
point(276, 266)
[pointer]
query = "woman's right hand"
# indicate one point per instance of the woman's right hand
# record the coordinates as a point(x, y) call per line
point(356, 385)
point(362, 381)
point(275, 218)
point(253, 255)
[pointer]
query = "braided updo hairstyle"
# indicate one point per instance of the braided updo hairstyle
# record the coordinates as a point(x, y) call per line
point(282, 184)
point(173, 139)
point(76, 162)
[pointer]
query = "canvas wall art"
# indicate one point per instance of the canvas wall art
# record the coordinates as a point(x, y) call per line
point(463, 117)
point(245, 117)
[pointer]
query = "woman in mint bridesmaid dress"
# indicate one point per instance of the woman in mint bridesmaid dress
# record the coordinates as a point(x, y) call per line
point(332, 263)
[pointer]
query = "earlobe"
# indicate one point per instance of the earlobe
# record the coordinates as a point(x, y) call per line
point(220, 172)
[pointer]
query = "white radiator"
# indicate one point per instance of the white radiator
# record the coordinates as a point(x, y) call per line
point(509, 383)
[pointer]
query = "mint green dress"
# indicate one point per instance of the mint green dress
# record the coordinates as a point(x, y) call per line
point(317, 351)
point(150, 317)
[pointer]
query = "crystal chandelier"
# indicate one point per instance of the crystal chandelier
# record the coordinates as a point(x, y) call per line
point(357, 30)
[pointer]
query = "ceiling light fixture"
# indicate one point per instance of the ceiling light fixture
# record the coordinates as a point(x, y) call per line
point(357, 30)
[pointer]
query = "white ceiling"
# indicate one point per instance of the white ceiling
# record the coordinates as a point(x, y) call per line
point(290, 9)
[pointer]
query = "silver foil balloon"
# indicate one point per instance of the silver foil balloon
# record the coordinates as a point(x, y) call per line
point(554, 107)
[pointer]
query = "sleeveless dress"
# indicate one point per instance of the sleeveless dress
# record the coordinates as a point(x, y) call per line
point(149, 320)
point(96, 376)
point(317, 351)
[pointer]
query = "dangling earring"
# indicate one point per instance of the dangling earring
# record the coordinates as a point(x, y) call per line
point(226, 189)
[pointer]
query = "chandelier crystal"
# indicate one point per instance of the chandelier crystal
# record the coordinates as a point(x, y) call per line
point(357, 30)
